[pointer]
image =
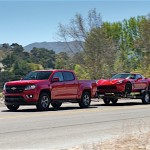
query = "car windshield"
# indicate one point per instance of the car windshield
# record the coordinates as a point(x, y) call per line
point(38, 75)
point(122, 75)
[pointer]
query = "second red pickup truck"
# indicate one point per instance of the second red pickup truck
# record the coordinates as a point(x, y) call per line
point(45, 87)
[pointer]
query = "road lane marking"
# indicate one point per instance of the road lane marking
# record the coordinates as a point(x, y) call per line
point(77, 111)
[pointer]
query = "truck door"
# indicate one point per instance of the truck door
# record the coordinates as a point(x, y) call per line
point(71, 85)
point(58, 88)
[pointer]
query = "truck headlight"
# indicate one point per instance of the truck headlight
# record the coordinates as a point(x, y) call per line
point(30, 87)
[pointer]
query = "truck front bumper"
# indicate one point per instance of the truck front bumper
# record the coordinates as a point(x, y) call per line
point(25, 98)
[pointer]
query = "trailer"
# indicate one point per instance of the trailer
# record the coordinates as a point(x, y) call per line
point(144, 95)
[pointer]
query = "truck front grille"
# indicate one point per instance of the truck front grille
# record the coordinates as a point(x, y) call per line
point(15, 89)
point(14, 99)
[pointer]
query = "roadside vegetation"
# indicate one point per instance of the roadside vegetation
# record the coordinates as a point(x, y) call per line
point(135, 136)
point(107, 48)
point(128, 142)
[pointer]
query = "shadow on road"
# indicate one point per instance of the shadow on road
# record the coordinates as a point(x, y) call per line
point(65, 108)
point(120, 104)
point(50, 109)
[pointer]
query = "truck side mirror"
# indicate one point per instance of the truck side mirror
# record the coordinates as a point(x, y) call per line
point(55, 79)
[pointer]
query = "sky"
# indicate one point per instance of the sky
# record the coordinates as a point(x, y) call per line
point(26, 22)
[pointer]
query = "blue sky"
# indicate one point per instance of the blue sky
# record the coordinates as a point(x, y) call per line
point(25, 22)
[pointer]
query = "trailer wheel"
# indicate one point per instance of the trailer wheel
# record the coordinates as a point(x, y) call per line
point(128, 88)
point(114, 100)
point(56, 104)
point(85, 100)
point(106, 100)
point(146, 98)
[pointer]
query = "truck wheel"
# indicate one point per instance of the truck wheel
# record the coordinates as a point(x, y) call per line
point(128, 88)
point(43, 102)
point(12, 107)
point(106, 100)
point(85, 100)
point(146, 98)
point(114, 100)
point(56, 104)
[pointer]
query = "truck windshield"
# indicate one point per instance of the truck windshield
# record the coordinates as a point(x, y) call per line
point(38, 75)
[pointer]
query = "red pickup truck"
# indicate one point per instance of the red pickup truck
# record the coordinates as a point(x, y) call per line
point(45, 87)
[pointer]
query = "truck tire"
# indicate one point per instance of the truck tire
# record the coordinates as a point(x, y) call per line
point(114, 100)
point(85, 100)
point(43, 102)
point(56, 104)
point(106, 100)
point(145, 97)
point(12, 107)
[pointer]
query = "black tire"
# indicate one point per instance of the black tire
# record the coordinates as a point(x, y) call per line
point(128, 88)
point(114, 100)
point(145, 98)
point(106, 100)
point(85, 100)
point(12, 107)
point(56, 104)
point(43, 102)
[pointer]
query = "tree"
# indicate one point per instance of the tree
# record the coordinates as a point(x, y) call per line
point(17, 48)
point(79, 27)
point(62, 61)
point(43, 56)
point(99, 53)
point(21, 68)
point(98, 47)
point(143, 45)
point(5, 45)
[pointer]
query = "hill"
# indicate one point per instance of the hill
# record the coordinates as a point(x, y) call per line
point(56, 46)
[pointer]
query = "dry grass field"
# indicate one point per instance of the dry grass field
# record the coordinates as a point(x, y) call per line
point(139, 141)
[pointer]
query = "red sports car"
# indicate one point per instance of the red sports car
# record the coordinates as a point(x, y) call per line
point(123, 83)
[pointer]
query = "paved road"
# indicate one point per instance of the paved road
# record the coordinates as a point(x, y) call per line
point(70, 126)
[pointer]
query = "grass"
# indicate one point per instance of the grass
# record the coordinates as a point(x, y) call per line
point(128, 140)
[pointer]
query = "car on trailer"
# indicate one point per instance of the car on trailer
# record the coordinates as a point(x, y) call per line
point(124, 85)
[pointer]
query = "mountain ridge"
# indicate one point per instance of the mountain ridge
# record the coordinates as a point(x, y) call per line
point(56, 46)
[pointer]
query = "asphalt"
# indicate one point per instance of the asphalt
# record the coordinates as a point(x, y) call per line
point(70, 126)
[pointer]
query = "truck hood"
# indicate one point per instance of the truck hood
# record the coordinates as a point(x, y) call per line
point(24, 82)
point(109, 81)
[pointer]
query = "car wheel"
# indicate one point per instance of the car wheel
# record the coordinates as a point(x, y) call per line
point(106, 100)
point(56, 104)
point(85, 100)
point(128, 88)
point(145, 98)
point(12, 107)
point(43, 102)
point(114, 100)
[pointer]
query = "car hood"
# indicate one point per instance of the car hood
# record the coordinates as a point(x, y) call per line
point(24, 82)
point(109, 81)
